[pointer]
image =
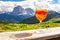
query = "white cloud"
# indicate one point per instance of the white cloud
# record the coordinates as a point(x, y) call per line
point(8, 6)
point(48, 5)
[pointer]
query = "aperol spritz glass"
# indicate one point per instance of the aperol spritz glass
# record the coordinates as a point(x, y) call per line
point(41, 14)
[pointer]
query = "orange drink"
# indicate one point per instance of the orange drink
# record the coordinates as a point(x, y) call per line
point(41, 14)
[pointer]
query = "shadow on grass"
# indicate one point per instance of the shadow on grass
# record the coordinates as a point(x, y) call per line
point(56, 22)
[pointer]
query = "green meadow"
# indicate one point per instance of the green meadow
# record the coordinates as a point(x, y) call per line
point(8, 27)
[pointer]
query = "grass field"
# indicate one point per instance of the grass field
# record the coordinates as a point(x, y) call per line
point(6, 27)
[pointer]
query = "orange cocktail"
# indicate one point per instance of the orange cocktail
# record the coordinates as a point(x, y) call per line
point(41, 14)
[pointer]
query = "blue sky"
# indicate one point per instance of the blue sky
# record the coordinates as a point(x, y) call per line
point(13, 0)
point(53, 1)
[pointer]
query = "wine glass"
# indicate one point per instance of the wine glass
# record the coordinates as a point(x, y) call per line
point(41, 14)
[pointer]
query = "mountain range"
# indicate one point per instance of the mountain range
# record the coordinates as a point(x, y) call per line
point(19, 14)
point(51, 14)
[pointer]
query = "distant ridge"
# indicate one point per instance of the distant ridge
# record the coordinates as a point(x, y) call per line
point(51, 15)
point(17, 15)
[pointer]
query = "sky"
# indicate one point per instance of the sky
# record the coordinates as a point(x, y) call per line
point(12, 0)
point(53, 1)
point(8, 5)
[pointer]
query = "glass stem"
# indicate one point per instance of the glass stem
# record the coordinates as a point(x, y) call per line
point(40, 23)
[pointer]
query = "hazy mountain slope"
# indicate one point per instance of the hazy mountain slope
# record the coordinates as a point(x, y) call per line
point(51, 14)
point(17, 15)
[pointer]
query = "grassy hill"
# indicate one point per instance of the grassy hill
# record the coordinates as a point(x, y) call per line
point(31, 20)
point(4, 27)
